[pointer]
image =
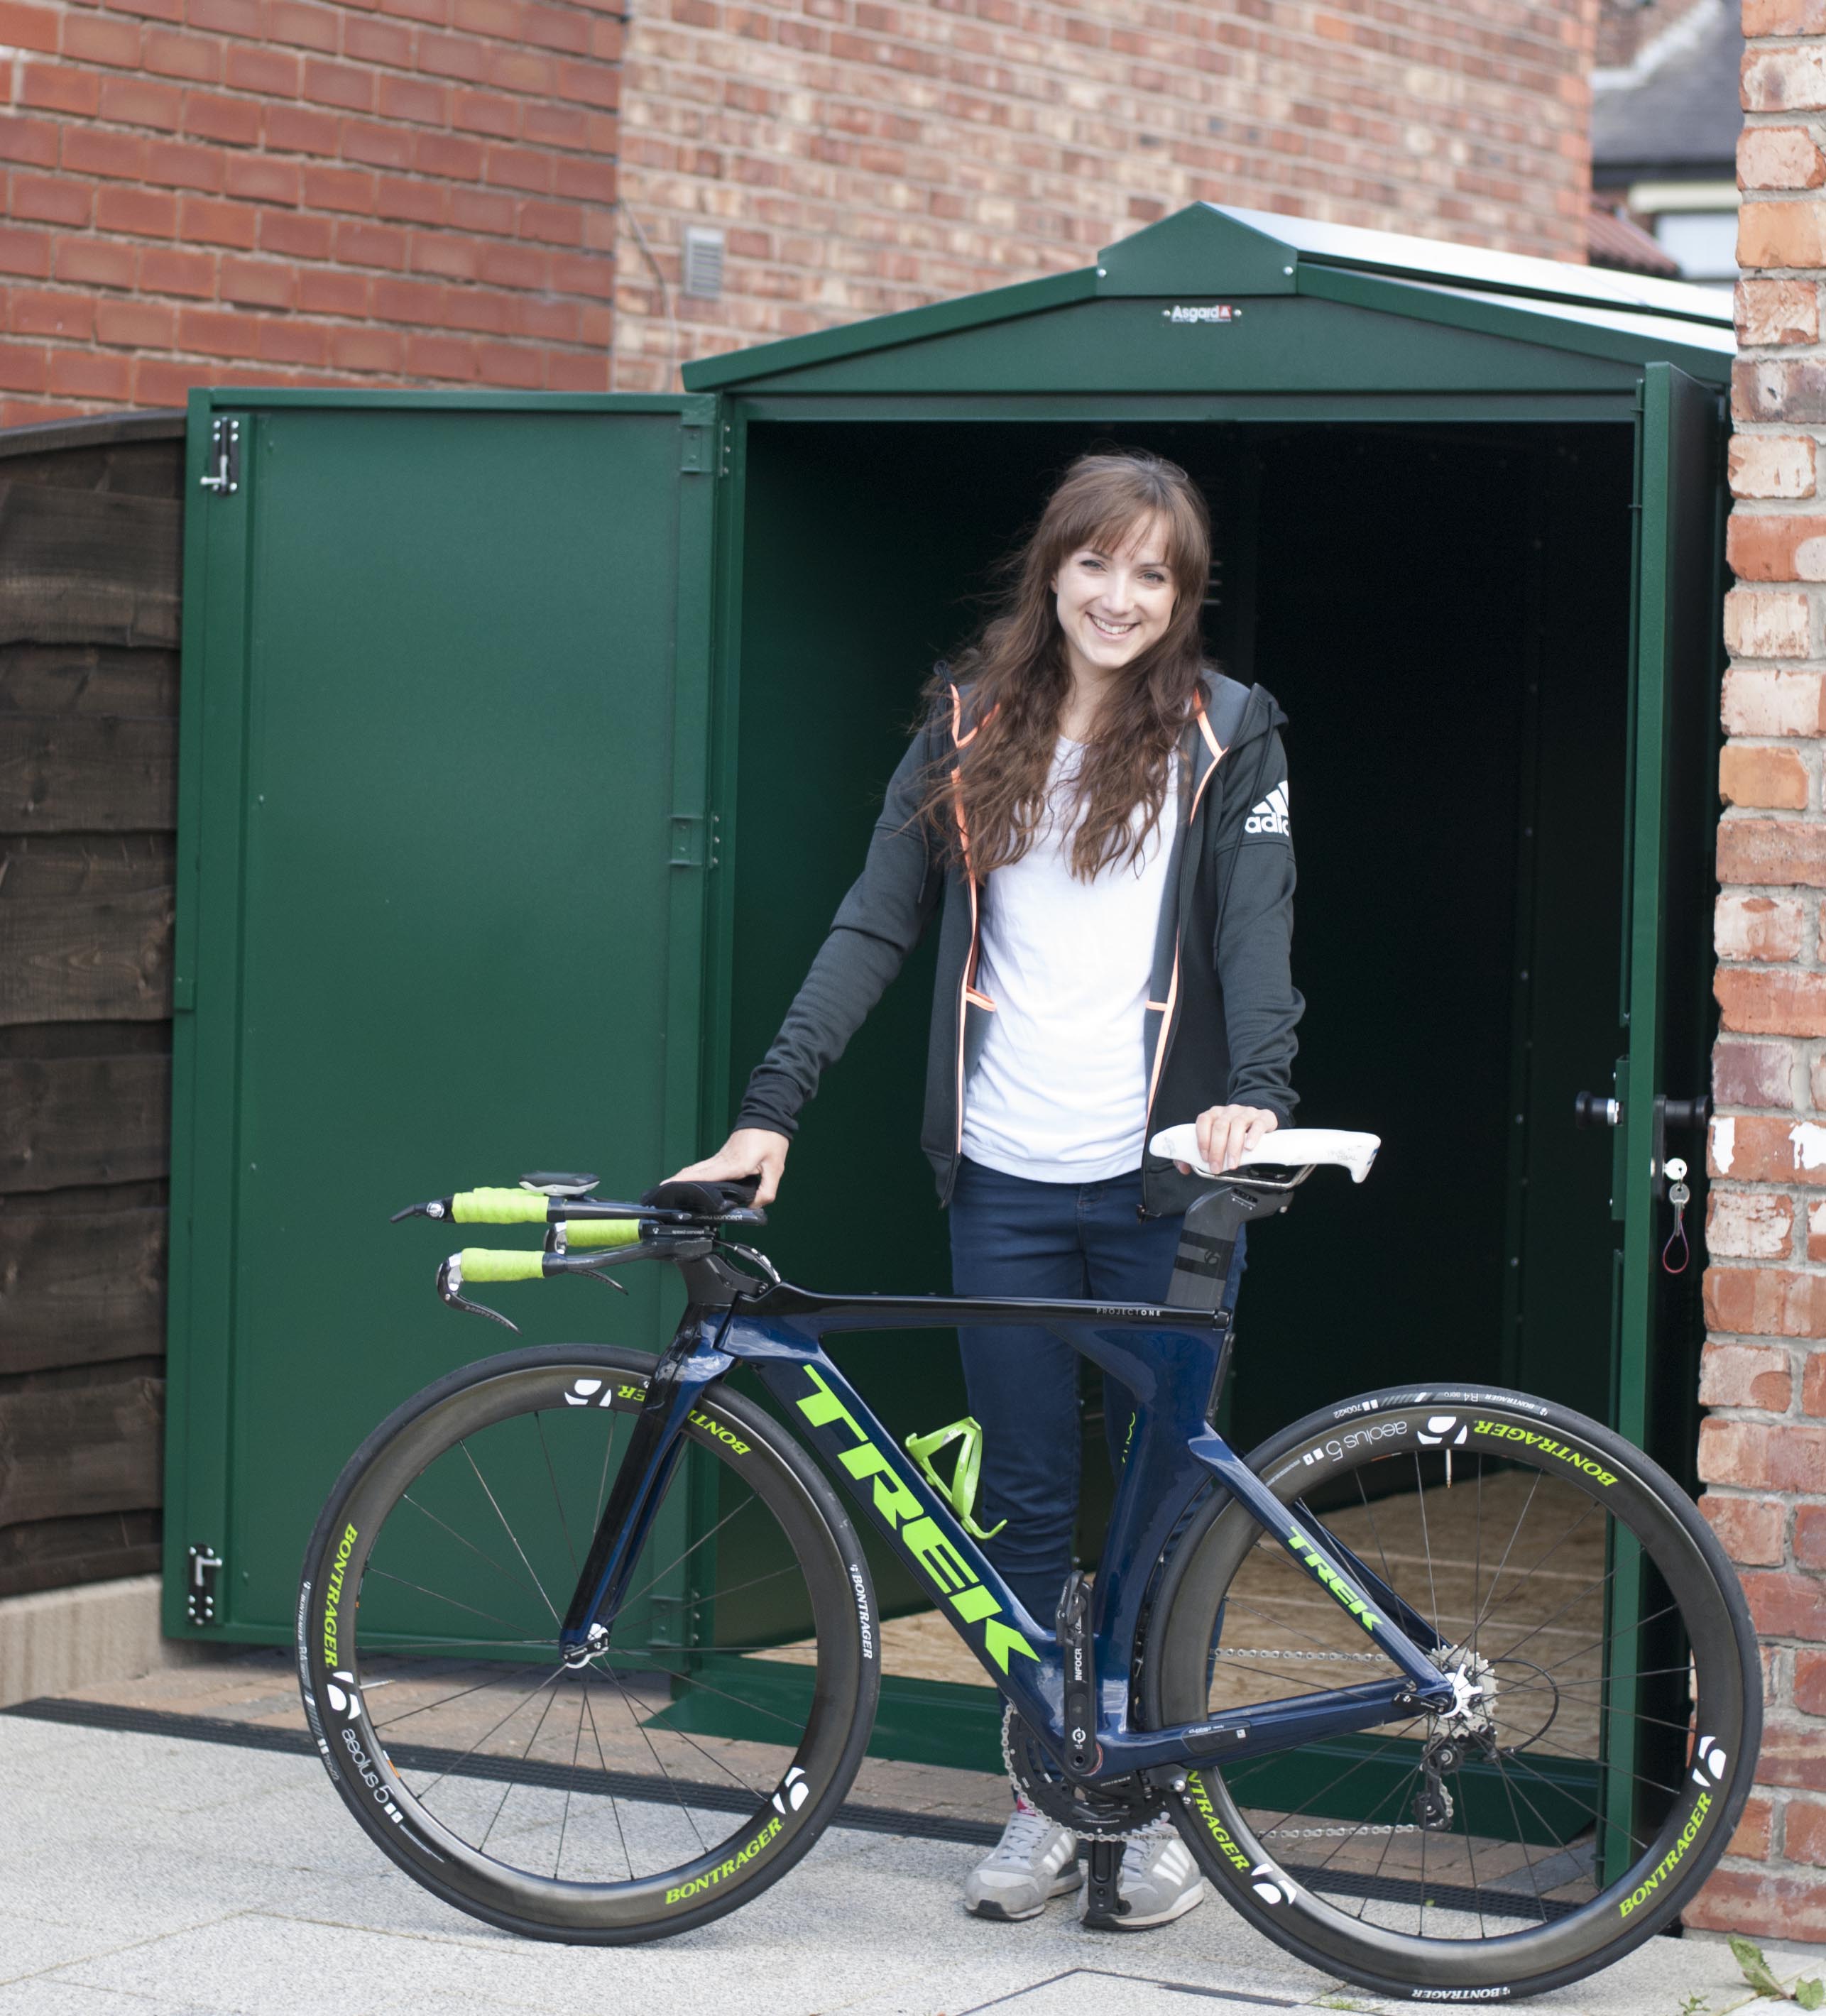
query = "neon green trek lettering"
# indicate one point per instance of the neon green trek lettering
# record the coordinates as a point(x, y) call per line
point(901, 1513)
point(1330, 1578)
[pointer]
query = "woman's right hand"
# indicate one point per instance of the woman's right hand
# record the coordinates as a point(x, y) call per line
point(750, 1151)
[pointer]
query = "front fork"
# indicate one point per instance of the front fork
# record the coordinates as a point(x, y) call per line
point(692, 1361)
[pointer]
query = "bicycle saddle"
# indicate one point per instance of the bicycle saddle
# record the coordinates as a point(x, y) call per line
point(1287, 1148)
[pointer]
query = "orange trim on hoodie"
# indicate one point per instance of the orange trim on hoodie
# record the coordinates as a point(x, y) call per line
point(1167, 1005)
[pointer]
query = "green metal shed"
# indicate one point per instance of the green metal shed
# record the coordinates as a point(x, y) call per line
point(529, 743)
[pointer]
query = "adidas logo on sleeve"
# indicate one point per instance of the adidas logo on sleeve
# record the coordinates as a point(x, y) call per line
point(1270, 815)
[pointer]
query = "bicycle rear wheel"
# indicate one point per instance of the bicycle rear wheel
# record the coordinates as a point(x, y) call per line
point(676, 1773)
point(1580, 1801)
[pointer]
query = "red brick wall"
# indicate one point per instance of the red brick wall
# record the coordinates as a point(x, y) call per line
point(865, 156)
point(424, 190)
point(1762, 1449)
point(299, 191)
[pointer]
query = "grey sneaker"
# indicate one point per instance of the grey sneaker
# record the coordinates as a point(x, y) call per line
point(1033, 1862)
point(1159, 1880)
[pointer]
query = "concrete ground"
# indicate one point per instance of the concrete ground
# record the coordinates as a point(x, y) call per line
point(144, 1874)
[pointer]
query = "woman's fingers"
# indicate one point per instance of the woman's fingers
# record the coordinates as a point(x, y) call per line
point(1225, 1131)
point(750, 1151)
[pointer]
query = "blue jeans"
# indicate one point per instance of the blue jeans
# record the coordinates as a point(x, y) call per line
point(1011, 1235)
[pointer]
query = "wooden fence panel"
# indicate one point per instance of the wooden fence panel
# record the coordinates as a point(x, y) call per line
point(79, 1121)
point(86, 773)
point(91, 525)
point(68, 1451)
point(91, 566)
point(81, 1288)
point(106, 960)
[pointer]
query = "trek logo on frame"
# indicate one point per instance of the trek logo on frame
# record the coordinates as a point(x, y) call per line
point(904, 1517)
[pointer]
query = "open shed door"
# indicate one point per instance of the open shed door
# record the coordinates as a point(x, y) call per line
point(1667, 1014)
point(443, 845)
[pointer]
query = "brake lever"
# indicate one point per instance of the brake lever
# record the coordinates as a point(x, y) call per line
point(453, 1300)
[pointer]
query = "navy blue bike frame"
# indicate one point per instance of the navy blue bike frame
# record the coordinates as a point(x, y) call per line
point(1169, 1360)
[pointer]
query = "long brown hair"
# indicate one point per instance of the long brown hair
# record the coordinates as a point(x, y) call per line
point(1017, 677)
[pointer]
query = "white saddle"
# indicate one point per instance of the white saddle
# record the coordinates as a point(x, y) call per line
point(1287, 1148)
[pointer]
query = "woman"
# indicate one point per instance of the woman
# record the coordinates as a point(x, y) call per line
point(1106, 819)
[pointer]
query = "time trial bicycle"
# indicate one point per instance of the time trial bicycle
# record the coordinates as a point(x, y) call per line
point(1450, 1689)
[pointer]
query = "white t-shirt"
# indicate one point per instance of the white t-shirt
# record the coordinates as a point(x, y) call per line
point(1059, 1093)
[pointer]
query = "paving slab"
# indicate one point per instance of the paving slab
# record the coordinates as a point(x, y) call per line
point(141, 1875)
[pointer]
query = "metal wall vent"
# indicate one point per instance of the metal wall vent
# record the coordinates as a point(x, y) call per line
point(703, 262)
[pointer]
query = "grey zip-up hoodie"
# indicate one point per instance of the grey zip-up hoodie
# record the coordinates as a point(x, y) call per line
point(1222, 1004)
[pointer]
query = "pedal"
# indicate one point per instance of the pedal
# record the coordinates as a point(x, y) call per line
point(1104, 1907)
point(1082, 1748)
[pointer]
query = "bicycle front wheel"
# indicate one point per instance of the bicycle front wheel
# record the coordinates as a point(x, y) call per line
point(683, 1769)
point(1592, 1779)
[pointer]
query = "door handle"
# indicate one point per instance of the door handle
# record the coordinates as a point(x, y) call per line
point(1595, 1109)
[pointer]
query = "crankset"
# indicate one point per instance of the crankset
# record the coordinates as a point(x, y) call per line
point(1114, 1812)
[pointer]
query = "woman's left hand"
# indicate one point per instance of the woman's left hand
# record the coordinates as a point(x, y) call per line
point(1224, 1131)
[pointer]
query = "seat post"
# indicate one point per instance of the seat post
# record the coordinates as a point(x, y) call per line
point(1208, 1241)
point(1207, 1244)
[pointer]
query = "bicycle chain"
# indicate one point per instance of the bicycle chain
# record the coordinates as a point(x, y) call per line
point(1246, 1652)
point(1077, 1810)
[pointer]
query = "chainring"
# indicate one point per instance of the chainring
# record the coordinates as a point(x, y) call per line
point(1118, 1811)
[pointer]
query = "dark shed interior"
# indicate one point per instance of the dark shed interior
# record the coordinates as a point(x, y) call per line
point(1443, 610)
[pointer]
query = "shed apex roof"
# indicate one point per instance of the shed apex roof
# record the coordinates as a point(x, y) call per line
point(1216, 249)
point(1446, 262)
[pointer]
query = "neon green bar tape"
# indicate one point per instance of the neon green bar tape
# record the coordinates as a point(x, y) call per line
point(479, 1263)
point(601, 1232)
point(499, 1207)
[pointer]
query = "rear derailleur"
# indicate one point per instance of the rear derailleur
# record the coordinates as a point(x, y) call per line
point(1432, 1804)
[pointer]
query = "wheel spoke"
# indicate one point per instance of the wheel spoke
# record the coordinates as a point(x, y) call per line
point(514, 1537)
point(596, 1737)
point(463, 1541)
point(508, 1790)
point(679, 1561)
point(538, 1686)
point(437, 1596)
point(1508, 1548)
point(564, 1817)
point(646, 1737)
point(538, 1421)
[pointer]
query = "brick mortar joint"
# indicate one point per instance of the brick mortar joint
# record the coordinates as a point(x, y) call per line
point(1733, 1415)
point(368, 66)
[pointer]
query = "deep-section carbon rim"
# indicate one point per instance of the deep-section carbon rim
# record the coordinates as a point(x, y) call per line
point(667, 1780)
point(1586, 1794)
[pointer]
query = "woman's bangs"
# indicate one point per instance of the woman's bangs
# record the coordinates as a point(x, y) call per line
point(1107, 522)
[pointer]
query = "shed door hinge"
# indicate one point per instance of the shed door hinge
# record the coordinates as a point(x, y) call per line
point(694, 453)
point(225, 448)
point(688, 840)
point(206, 1565)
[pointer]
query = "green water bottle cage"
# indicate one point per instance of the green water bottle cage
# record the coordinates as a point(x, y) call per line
point(960, 1493)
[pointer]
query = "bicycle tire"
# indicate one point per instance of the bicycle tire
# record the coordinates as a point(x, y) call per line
point(364, 1546)
point(1205, 1598)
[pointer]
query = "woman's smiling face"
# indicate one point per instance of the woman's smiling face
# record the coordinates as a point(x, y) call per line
point(1113, 604)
